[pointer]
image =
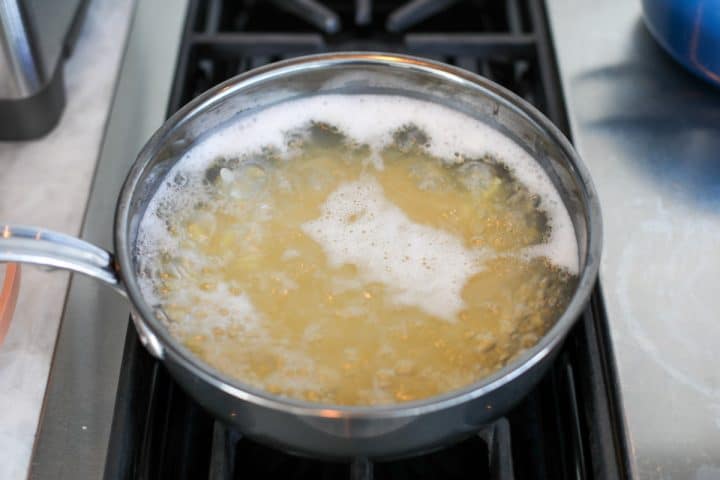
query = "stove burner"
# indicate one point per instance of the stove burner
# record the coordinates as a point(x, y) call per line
point(566, 428)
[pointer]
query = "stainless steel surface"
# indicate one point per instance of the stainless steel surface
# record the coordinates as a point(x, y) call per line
point(32, 41)
point(35, 37)
point(21, 70)
point(72, 440)
point(43, 247)
point(341, 431)
point(51, 21)
point(650, 133)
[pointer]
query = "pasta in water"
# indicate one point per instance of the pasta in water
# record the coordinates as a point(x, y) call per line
point(357, 250)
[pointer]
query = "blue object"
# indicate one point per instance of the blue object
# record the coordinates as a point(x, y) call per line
point(690, 31)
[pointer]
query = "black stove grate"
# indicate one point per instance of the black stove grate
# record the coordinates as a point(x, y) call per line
point(569, 427)
point(502, 40)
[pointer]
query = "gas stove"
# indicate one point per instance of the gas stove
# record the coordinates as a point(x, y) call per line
point(569, 427)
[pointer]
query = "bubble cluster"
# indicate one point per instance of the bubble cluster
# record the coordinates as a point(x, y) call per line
point(374, 121)
point(422, 266)
point(357, 249)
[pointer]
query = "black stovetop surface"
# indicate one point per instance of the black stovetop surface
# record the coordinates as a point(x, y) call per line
point(568, 427)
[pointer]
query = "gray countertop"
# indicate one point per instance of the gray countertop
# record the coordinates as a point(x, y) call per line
point(46, 182)
point(650, 134)
point(80, 399)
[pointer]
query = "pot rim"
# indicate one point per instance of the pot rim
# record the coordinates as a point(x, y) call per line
point(167, 348)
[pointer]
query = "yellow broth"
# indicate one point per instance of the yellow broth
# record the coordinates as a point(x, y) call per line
point(252, 291)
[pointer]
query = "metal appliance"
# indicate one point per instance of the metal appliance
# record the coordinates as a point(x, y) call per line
point(35, 37)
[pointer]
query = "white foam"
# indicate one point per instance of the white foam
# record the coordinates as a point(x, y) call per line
point(421, 266)
point(369, 119)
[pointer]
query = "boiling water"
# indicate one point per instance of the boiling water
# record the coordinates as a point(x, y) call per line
point(357, 250)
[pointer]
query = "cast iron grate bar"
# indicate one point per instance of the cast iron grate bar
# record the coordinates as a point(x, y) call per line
point(363, 12)
point(494, 442)
point(212, 19)
point(314, 12)
point(415, 12)
point(361, 469)
point(553, 105)
point(250, 44)
point(575, 430)
point(486, 46)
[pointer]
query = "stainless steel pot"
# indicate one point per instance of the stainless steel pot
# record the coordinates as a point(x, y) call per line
point(294, 425)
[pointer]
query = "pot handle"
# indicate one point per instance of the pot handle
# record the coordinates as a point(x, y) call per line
point(39, 246)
